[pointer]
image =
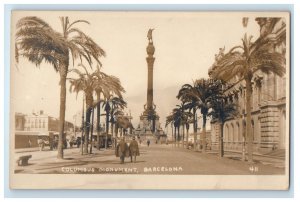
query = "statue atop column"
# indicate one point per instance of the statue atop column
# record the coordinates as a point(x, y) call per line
point(149, 35)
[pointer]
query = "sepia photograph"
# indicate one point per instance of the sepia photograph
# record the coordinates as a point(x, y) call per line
point(149, 100)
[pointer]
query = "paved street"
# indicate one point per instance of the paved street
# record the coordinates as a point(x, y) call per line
point(156, 159)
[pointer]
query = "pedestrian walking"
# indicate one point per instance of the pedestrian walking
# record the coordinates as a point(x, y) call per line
point(40, 142)
point(29, 143)
point(134, 149)
point(148, 142)
point(122, 150)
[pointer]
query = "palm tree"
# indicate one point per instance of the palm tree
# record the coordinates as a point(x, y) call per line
point(174, 119)
point(187, 94)
point(37, 41)
point(117, 104)
point(186, 119)
point(85, 82)
point(201, 93)
point(244, 61)
point(100, 87)
point(222, 111)
point(109, 105)
point(170, 120)
point(106, 85)
point(124, 123)
point(187, 126)
point(180, 117)
point(117, 113)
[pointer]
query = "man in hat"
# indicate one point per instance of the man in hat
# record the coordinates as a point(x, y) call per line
point(122, 149)
point(134, 149)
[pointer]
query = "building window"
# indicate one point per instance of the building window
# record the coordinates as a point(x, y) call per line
point(44, 124)
point(244, 130)
point(259, 95)
point(36, 123)
point(238, 134)
point(232, 133)
point(40, 124)
point(252, 127)
point(226, 133)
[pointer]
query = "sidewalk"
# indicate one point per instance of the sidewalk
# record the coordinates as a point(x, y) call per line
point(275, 161)
point(155, 159)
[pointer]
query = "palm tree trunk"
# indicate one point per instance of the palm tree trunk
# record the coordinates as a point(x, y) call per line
point(87, 129)
point(89, 103)
point(175, 136)
point(178, 135)
point(82, 132)
point(92, 130)
point(107, 127)
point(116, 130)
point(248, 120)
point(112, 123)
point(187, 138)
point(112, 132)
point(172, 131)
point(116, 134)
point(204, 133)
point(183, 135)
point(98, 120)
point(195, 128)
point(62, 110)
point(221, 143)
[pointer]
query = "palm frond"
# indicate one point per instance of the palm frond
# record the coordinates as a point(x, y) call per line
point(38, 42)
point(77, 21)
point(32, 21)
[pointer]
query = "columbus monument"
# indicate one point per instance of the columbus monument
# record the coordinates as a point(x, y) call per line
point(149, 119)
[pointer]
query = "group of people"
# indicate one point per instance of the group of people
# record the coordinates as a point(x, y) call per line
point(123, 150)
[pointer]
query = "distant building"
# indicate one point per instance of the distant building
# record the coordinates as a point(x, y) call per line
point(43, 123)
point(20, 121)
point(28, 127)
point(268, 104)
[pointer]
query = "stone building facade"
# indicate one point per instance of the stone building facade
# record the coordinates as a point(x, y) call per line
point(44, 123)
point(29, 127)
point(20, 121)
point(268, 103)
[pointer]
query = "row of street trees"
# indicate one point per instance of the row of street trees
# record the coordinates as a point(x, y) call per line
point(243, 61)
point(98, 83)
point(207, 95)
point(38, 42)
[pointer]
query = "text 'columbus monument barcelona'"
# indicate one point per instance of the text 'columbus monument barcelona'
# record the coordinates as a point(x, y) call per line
point(149, 119)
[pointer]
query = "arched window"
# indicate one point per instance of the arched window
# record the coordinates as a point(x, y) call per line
point(36, 123)
point(226, 133)
point(43, 123)
point(40, 123)
point(252, 129)
point(244, 131)
point(238, 133)
point(232, 133)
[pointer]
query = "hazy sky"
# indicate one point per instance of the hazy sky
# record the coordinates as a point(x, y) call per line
point(185, 47)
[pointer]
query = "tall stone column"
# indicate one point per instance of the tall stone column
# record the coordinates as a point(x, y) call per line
point(149, 119)
point(150, 61)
